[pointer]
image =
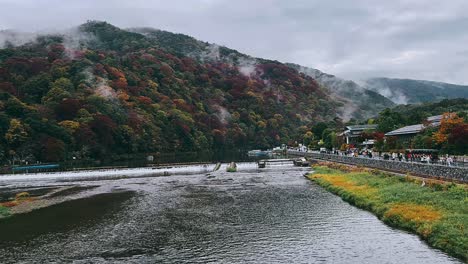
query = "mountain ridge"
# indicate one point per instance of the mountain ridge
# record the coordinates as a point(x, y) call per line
point(356, 99)
point(409, 91)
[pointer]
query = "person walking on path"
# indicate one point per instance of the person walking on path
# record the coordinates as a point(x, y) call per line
point(449, 161)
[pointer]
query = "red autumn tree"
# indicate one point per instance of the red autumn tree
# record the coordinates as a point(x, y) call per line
point(447, 124)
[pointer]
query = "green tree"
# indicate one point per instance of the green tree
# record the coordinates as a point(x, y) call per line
point(327, 137)
point(16, 134)
point(308, 138)
point(15, 107)
point(64, 84)
point(54, 96)
point(318, 128)
point(389, 120)
point(36, 87)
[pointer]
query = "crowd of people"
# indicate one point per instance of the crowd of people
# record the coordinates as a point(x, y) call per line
point(428, 158)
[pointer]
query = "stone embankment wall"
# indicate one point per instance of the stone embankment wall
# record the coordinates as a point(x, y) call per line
point(439, 171)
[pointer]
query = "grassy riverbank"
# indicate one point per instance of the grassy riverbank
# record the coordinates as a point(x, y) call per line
point(20, 198)
point(436, 211)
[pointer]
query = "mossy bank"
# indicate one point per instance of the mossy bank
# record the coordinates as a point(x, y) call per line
point(436, 211)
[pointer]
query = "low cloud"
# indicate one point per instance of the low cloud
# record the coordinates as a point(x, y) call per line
point(102, 89)
point(73, 39)
point(223, 114)
point(417, 39)
point(211, 53)
point(99, 85)
point(15, 38)
point(396, 96)
point(247, 66)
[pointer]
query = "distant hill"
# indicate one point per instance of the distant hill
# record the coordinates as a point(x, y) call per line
point(358, 102)
point(424, 110)
point(405, 91)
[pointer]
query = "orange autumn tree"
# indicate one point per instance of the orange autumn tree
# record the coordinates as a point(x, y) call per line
point(448, 122)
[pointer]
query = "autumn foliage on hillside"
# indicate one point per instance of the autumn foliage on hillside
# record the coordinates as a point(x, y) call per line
point(119, 93)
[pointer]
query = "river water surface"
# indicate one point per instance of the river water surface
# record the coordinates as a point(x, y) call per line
point(273, 215)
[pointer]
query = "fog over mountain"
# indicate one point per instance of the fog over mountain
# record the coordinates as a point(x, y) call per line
point(404, 91)
point(358, 102)
point(411, 39)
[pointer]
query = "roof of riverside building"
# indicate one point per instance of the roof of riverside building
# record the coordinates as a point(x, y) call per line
point(414, 129)
point(361, 127)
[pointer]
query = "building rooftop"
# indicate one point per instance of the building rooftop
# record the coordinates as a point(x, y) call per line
point(433, 119)
point(414, 129)
point(406, 130)
point(361, 127)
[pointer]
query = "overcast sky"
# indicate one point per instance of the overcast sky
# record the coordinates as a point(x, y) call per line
point(355, 39)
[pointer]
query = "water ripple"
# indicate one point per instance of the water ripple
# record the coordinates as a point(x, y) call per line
point(272, 216)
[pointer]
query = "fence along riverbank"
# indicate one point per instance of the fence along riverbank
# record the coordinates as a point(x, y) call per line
point(418, 169)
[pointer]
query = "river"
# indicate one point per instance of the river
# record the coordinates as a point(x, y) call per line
point(273, 215)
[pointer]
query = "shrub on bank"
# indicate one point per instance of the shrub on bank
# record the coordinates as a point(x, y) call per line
point(231, 169)
point(435, 210)
point(19, 199)
point(4, 211)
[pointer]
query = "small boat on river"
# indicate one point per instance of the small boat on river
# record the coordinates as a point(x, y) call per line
point(301, 162)
point(260, 153)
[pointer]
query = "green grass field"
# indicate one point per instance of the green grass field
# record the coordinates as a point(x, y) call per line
point(436, 211)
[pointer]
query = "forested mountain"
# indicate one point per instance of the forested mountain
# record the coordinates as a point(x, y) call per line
point(404, 91)
point(100, 92)
point(358, 102)
point(459, 105)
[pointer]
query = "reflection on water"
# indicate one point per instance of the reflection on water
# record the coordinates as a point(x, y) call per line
point(166, 158)
point(59, 218)
point(272, 216)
